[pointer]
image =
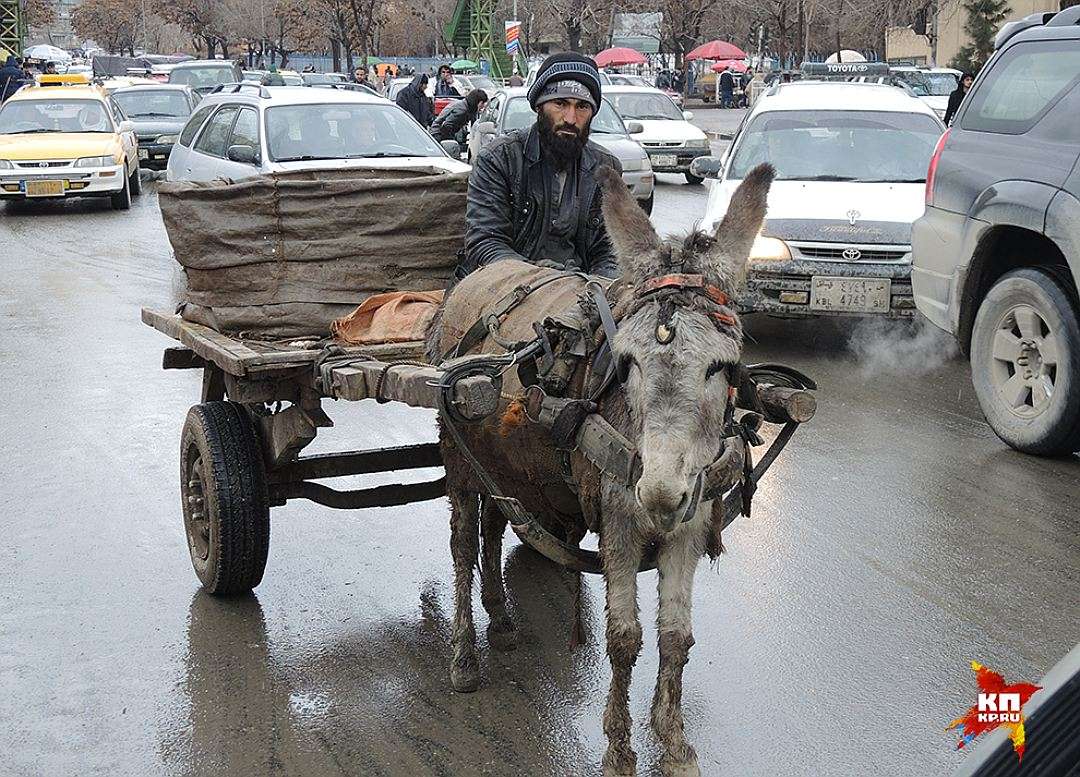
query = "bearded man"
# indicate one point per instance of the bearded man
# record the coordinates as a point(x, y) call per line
point(533, 193)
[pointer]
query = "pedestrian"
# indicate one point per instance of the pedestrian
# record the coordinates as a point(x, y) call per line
point(515, 78)
point(12, 78)
point(360, 76)
point(957, 97)
point(727, 89)
point(413, 100)
point(444, 87)
point(454, 120)
point(50, 69)
point(533, 192)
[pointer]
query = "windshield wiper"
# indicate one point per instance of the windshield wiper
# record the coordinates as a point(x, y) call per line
point(818, 178)
point(305, 158)
point(31, 131)
point(166, 115)
point(380, 155)
point(653, 117)
point(892, 180)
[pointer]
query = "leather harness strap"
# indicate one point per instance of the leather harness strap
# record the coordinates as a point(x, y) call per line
point(690, 282)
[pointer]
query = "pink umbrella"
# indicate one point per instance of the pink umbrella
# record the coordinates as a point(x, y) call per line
point(619, 56)
point(717, 49)
point(733, 64)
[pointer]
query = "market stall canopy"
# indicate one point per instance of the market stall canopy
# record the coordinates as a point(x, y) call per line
point(463, 64)
point(48, 53)
point(717, 49)
point(619, 56)
point(373, 61)
point(730, 64)
point(846, 55)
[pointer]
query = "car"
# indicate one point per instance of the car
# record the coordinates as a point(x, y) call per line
point(59, 141)
point(997, 251)
point(158, 112)
point(509, 109)
point(626, 79)
point(850, 162)
point(246, 130)
point(203, 75)
point(321, 79)
point(254, 76)
point(291, 78)
point(942, 82)
point(667, 135)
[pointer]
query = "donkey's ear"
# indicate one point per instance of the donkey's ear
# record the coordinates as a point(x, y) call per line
point(741, 224)
point(631, 234)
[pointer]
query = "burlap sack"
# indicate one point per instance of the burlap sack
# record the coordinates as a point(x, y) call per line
point(284, 255)
point(393, 317)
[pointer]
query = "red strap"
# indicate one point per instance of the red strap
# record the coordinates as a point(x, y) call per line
point(679, 280)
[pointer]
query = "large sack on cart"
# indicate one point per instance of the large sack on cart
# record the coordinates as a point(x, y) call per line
point(284, 255)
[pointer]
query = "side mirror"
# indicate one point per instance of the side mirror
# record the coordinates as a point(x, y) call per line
point(451, 147)
point(127, 126)
point(244, 154)
point(634, 128)
point(707, 167)
point(485, 128)
point(688, 115)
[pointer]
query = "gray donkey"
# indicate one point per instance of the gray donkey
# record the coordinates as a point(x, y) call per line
point(673, 351)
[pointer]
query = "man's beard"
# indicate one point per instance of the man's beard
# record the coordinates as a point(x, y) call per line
point(563, 150)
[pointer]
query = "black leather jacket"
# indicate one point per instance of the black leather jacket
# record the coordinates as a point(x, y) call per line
point(451, 123)
point(509, 210)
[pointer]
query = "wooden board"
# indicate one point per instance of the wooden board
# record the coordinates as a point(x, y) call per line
point(252, 357)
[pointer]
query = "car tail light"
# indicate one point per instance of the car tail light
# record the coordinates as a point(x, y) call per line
point(933, 166)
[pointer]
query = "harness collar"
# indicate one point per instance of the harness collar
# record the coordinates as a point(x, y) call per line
point(688, 282)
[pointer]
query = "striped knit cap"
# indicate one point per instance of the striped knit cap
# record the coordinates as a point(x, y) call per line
point(566, 66)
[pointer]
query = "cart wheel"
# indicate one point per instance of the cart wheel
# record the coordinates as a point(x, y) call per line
point(223, 492)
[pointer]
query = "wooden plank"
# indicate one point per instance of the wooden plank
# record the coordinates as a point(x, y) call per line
point(475, 397)
point(167, 323)
point(390, 352)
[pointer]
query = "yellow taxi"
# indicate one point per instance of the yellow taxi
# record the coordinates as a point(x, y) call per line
point(65, 137)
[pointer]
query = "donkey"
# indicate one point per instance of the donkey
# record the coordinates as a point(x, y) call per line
point(673, 354)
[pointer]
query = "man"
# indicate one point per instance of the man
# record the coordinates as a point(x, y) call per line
point(515, 78)
point(454, 120)
point(413, 100)
point(957, 97)
point(727, 89)
point(533, 193)
point(11, 78)
point(444, 87)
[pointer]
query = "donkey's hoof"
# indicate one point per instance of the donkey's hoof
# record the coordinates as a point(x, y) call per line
point(503, 638)
point(684, 769)
point(465, 676)
point(620, 764)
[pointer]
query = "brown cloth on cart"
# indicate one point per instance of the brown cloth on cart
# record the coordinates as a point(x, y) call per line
point(284, 255)
point(393, 317)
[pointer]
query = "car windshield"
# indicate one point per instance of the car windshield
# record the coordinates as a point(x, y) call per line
point(942, 84)
point(292, 80)
point(30, 116)
point(645, 106)
point(152, 104)
point(318, 78)
point(520, 115)
point(202, 77)
point(481, 82)
point(916, 80)
point(838, 146)
point(345, 131)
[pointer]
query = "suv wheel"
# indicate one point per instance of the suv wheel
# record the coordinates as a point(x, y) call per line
point(1025, 363)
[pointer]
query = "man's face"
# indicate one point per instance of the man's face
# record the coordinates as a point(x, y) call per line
point(564, 127)
point(361, 74)
point(446, 75)
point(480, 107)
point(968, 82)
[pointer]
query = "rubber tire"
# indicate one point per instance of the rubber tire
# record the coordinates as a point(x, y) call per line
point(693, 179)
point(1057, 430)
point(122, 199)
point(135, 182)
point(647, 205)
point(235, 496)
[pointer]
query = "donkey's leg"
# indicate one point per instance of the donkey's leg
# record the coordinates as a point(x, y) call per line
point(464, 547)
point(676, 565)
point(621, 558)
point(501, 632)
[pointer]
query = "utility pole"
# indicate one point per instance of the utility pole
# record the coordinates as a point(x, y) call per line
point(839, 14)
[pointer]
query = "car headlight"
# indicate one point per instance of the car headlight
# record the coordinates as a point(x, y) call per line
point(702, 143)
point(95, 161)
point(166, 140)
point(6, 164)
point(633, 165)
point(769, 249)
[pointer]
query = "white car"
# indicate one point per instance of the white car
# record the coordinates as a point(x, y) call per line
point(667, 135)
point(851, 161)
point(246, 130)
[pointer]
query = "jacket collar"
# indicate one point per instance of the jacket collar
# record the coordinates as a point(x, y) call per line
point(589, 159)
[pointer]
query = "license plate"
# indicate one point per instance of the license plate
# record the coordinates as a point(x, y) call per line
point(850, 295)
point(44, 188)
point(665, 160)
point(144, 154)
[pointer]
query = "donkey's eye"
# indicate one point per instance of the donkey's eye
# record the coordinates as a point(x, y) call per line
point(714, 368)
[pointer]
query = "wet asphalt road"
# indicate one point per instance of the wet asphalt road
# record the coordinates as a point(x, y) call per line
point(893, 542)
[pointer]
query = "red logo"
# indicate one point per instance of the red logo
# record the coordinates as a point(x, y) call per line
point(998, 705)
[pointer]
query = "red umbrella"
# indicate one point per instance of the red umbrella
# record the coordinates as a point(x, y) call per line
point(619, 56)
point(717, 49)
point(733, 64)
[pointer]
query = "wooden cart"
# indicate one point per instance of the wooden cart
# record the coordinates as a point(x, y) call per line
point(261, 405)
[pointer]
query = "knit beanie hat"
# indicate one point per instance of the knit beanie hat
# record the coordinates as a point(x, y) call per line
point(567, 66)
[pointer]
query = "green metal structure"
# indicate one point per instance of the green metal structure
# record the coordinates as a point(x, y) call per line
point(473, 27)
point(12, 27)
